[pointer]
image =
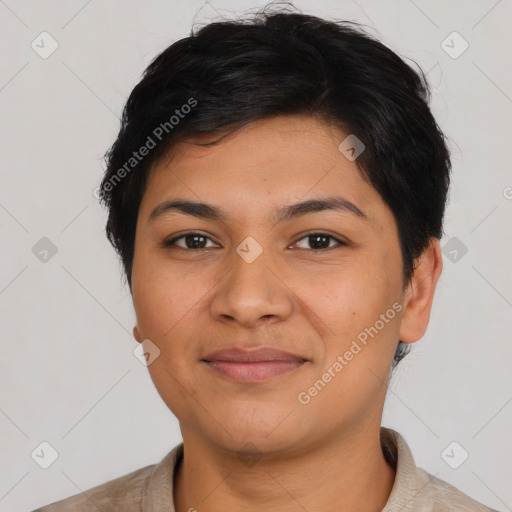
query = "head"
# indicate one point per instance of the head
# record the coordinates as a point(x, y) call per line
point(249, 118)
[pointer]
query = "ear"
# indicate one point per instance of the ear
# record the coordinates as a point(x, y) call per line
point(136, 334)
point(419, 294)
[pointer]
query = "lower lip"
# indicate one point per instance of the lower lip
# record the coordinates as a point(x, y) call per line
point(256, 371)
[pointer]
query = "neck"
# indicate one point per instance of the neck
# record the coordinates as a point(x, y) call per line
point(348, 473)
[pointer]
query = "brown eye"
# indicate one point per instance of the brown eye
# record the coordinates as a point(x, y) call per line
point(319, 241)
point(190, 241)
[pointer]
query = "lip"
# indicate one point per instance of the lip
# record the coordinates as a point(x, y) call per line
point(259, 354)
point(257, 365)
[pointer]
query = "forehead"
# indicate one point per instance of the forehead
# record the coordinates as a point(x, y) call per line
point(264, 165)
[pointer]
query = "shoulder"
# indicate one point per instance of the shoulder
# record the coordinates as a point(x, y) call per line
point(416, 490)
point(444, 497)
point(121, 494)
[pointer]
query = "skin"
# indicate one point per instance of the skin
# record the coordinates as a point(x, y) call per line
point(251, 444)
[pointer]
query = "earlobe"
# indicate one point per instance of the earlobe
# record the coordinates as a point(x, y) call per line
point(420, 291)
point(136, 334)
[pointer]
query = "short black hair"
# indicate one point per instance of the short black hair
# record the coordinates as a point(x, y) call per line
point(233, 72)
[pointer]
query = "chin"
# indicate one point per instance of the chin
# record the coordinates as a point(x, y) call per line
point(254, 438)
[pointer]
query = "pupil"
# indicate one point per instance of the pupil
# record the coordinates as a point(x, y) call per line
point(316, 237)
point(194, 243)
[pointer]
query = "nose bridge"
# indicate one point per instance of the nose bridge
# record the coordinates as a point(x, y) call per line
point(251, 291)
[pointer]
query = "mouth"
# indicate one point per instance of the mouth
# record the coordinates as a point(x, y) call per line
point(252, 366)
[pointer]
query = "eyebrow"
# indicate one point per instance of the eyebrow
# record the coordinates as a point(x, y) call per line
point(211, 212)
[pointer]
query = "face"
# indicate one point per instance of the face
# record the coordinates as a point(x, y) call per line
point(316, 282)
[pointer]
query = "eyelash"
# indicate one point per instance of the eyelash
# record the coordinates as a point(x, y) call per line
point(170, 243)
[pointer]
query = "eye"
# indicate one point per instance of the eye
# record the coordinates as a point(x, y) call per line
point(320, 241)
point(190, 240)
point(316, 241)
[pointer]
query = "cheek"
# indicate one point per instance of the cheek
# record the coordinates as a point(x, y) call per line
point(165, 304)
point(164, 298)
point(362, 312)
point(360, 305)
point(353, 295)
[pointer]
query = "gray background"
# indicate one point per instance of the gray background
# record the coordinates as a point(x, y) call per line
point(68, 375)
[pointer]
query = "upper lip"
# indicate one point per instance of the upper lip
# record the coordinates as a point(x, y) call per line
point(253, 355)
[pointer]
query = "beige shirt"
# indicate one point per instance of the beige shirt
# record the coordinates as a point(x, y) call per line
point(149, 489)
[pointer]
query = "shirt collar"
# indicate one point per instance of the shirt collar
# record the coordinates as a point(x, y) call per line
point(405, 488)
point(157, 493)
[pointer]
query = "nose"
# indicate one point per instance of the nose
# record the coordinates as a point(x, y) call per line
point(252, 293)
